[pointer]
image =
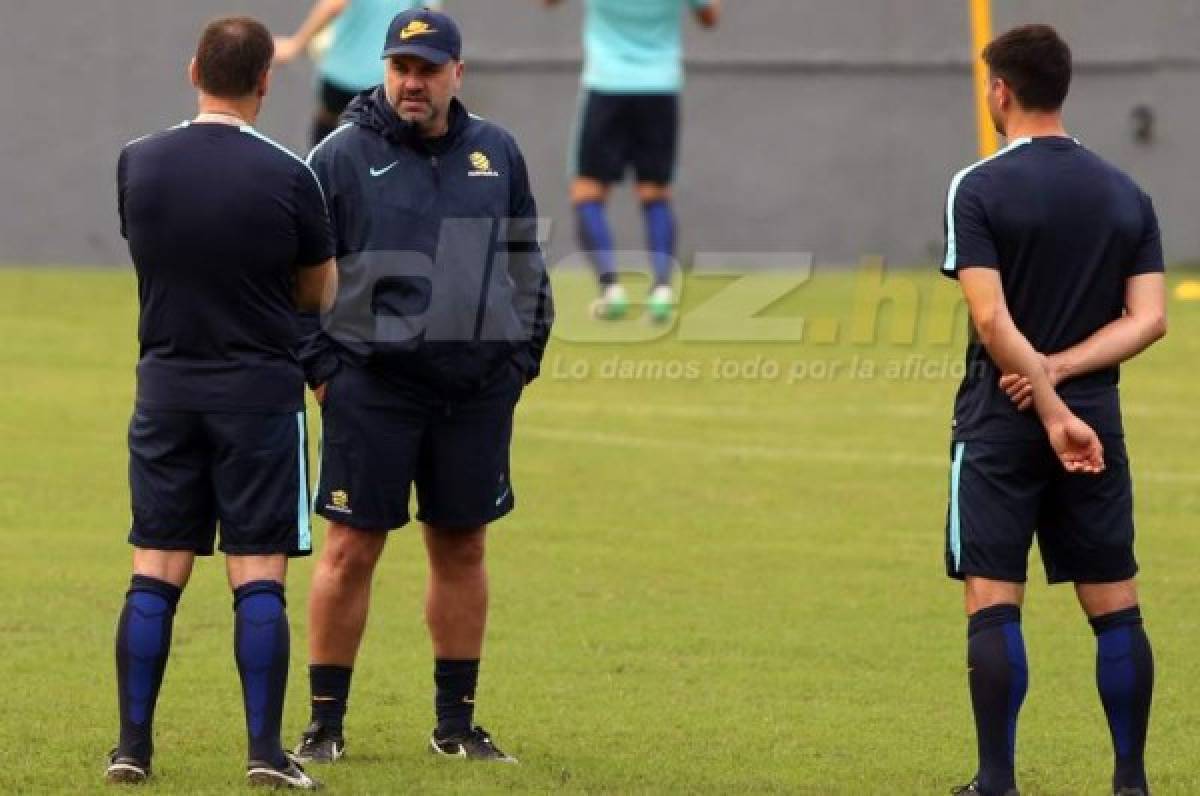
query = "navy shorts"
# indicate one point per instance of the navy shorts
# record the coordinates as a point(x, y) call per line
point(617, 131)
point(378, 439)
point(1002, 494)
point(247, 471)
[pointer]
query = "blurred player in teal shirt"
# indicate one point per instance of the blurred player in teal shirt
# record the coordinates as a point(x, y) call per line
point(632, 77)
point(351, 63)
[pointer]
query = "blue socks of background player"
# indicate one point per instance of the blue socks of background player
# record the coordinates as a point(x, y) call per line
point(262, 647)
point(595, 237)
point(1125, 679)
point(143, 644)
point(455, 699)
point(660, 239)
point(998, 675)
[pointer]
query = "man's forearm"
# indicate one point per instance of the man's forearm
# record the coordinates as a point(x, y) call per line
point(1013, 353)
point(324, 12)
point(1118, 342)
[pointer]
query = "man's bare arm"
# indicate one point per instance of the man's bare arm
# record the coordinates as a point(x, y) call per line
point(1143, 324)
point(1077, 445)
point(709, 16)
point(316, 287)
point(324, 12)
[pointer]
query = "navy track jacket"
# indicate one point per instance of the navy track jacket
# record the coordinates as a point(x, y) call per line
point(442, 279)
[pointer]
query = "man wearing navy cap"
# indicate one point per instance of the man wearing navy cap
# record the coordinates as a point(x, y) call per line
point(442, 321)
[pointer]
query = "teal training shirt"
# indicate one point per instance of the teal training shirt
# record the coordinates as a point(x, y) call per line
point(635, 46)
point(352, 62)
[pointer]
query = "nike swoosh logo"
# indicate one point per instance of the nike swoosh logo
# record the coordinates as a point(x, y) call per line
point(500, 499)
point(405, 35)
point(380, 172)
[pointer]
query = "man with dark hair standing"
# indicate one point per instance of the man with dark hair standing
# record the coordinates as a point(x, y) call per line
point(443, 317)
point(229, 234)
point(1059, 256)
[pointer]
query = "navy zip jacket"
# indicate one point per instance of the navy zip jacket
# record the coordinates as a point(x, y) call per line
point(442, 283)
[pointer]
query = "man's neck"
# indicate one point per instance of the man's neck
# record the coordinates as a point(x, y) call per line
point(227, 111)
point(1035, 125)
point(437, 130)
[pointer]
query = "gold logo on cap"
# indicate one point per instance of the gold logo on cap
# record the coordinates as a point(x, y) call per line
point(416, 28)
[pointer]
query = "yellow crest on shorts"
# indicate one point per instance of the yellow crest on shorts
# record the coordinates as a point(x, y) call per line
point(339, 499)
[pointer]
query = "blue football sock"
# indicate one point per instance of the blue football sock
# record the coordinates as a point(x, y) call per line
point(262, 646)
point(660, 239)
point(999, 676)
point(596, 238)
point(1125, 679)
point(143, 644)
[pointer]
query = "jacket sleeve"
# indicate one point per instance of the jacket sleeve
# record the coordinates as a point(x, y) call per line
point(527, 267)
point(316, 351)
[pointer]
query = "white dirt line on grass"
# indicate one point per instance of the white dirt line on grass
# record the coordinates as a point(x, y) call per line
point(701, 410)
point(720, 450)
point(798, 453)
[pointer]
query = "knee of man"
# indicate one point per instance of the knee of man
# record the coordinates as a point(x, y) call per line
point(458, 552)
point(350, 553)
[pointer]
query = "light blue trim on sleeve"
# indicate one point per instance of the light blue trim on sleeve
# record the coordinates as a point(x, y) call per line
point(950, 264)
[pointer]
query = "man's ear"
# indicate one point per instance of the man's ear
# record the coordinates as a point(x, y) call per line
point(194, 73)
point(1005, 93)
point(264, 83)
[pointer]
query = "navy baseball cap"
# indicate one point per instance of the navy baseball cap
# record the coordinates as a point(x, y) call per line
point(429, 35)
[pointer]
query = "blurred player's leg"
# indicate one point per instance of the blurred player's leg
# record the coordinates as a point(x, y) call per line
point(337, 611)
point(143, 644)
point(601, 156)
point(1124, 677)
point(660, 242)
point(655, 134)
point(595, 238)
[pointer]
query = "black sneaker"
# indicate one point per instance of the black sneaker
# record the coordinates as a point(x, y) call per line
point(291, 776)
point(473, 745)
point(123, 770)
point(319, 744)
point(973, 787)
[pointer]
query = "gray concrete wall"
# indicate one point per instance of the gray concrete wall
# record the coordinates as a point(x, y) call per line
point(829, 126)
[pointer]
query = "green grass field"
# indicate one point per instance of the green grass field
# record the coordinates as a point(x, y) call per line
point(711, 584)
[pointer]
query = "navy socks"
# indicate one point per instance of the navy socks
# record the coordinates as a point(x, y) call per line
point(660, 239)
point(455, 698)
point(595, 237)
point(1125, 679)
point(143, 644)
point(998, 675)
point(262, 648)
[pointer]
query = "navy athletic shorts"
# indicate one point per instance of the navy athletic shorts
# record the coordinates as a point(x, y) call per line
point(247, 471)
point(1002, 493)
point(617, 131)
point(379, 438)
